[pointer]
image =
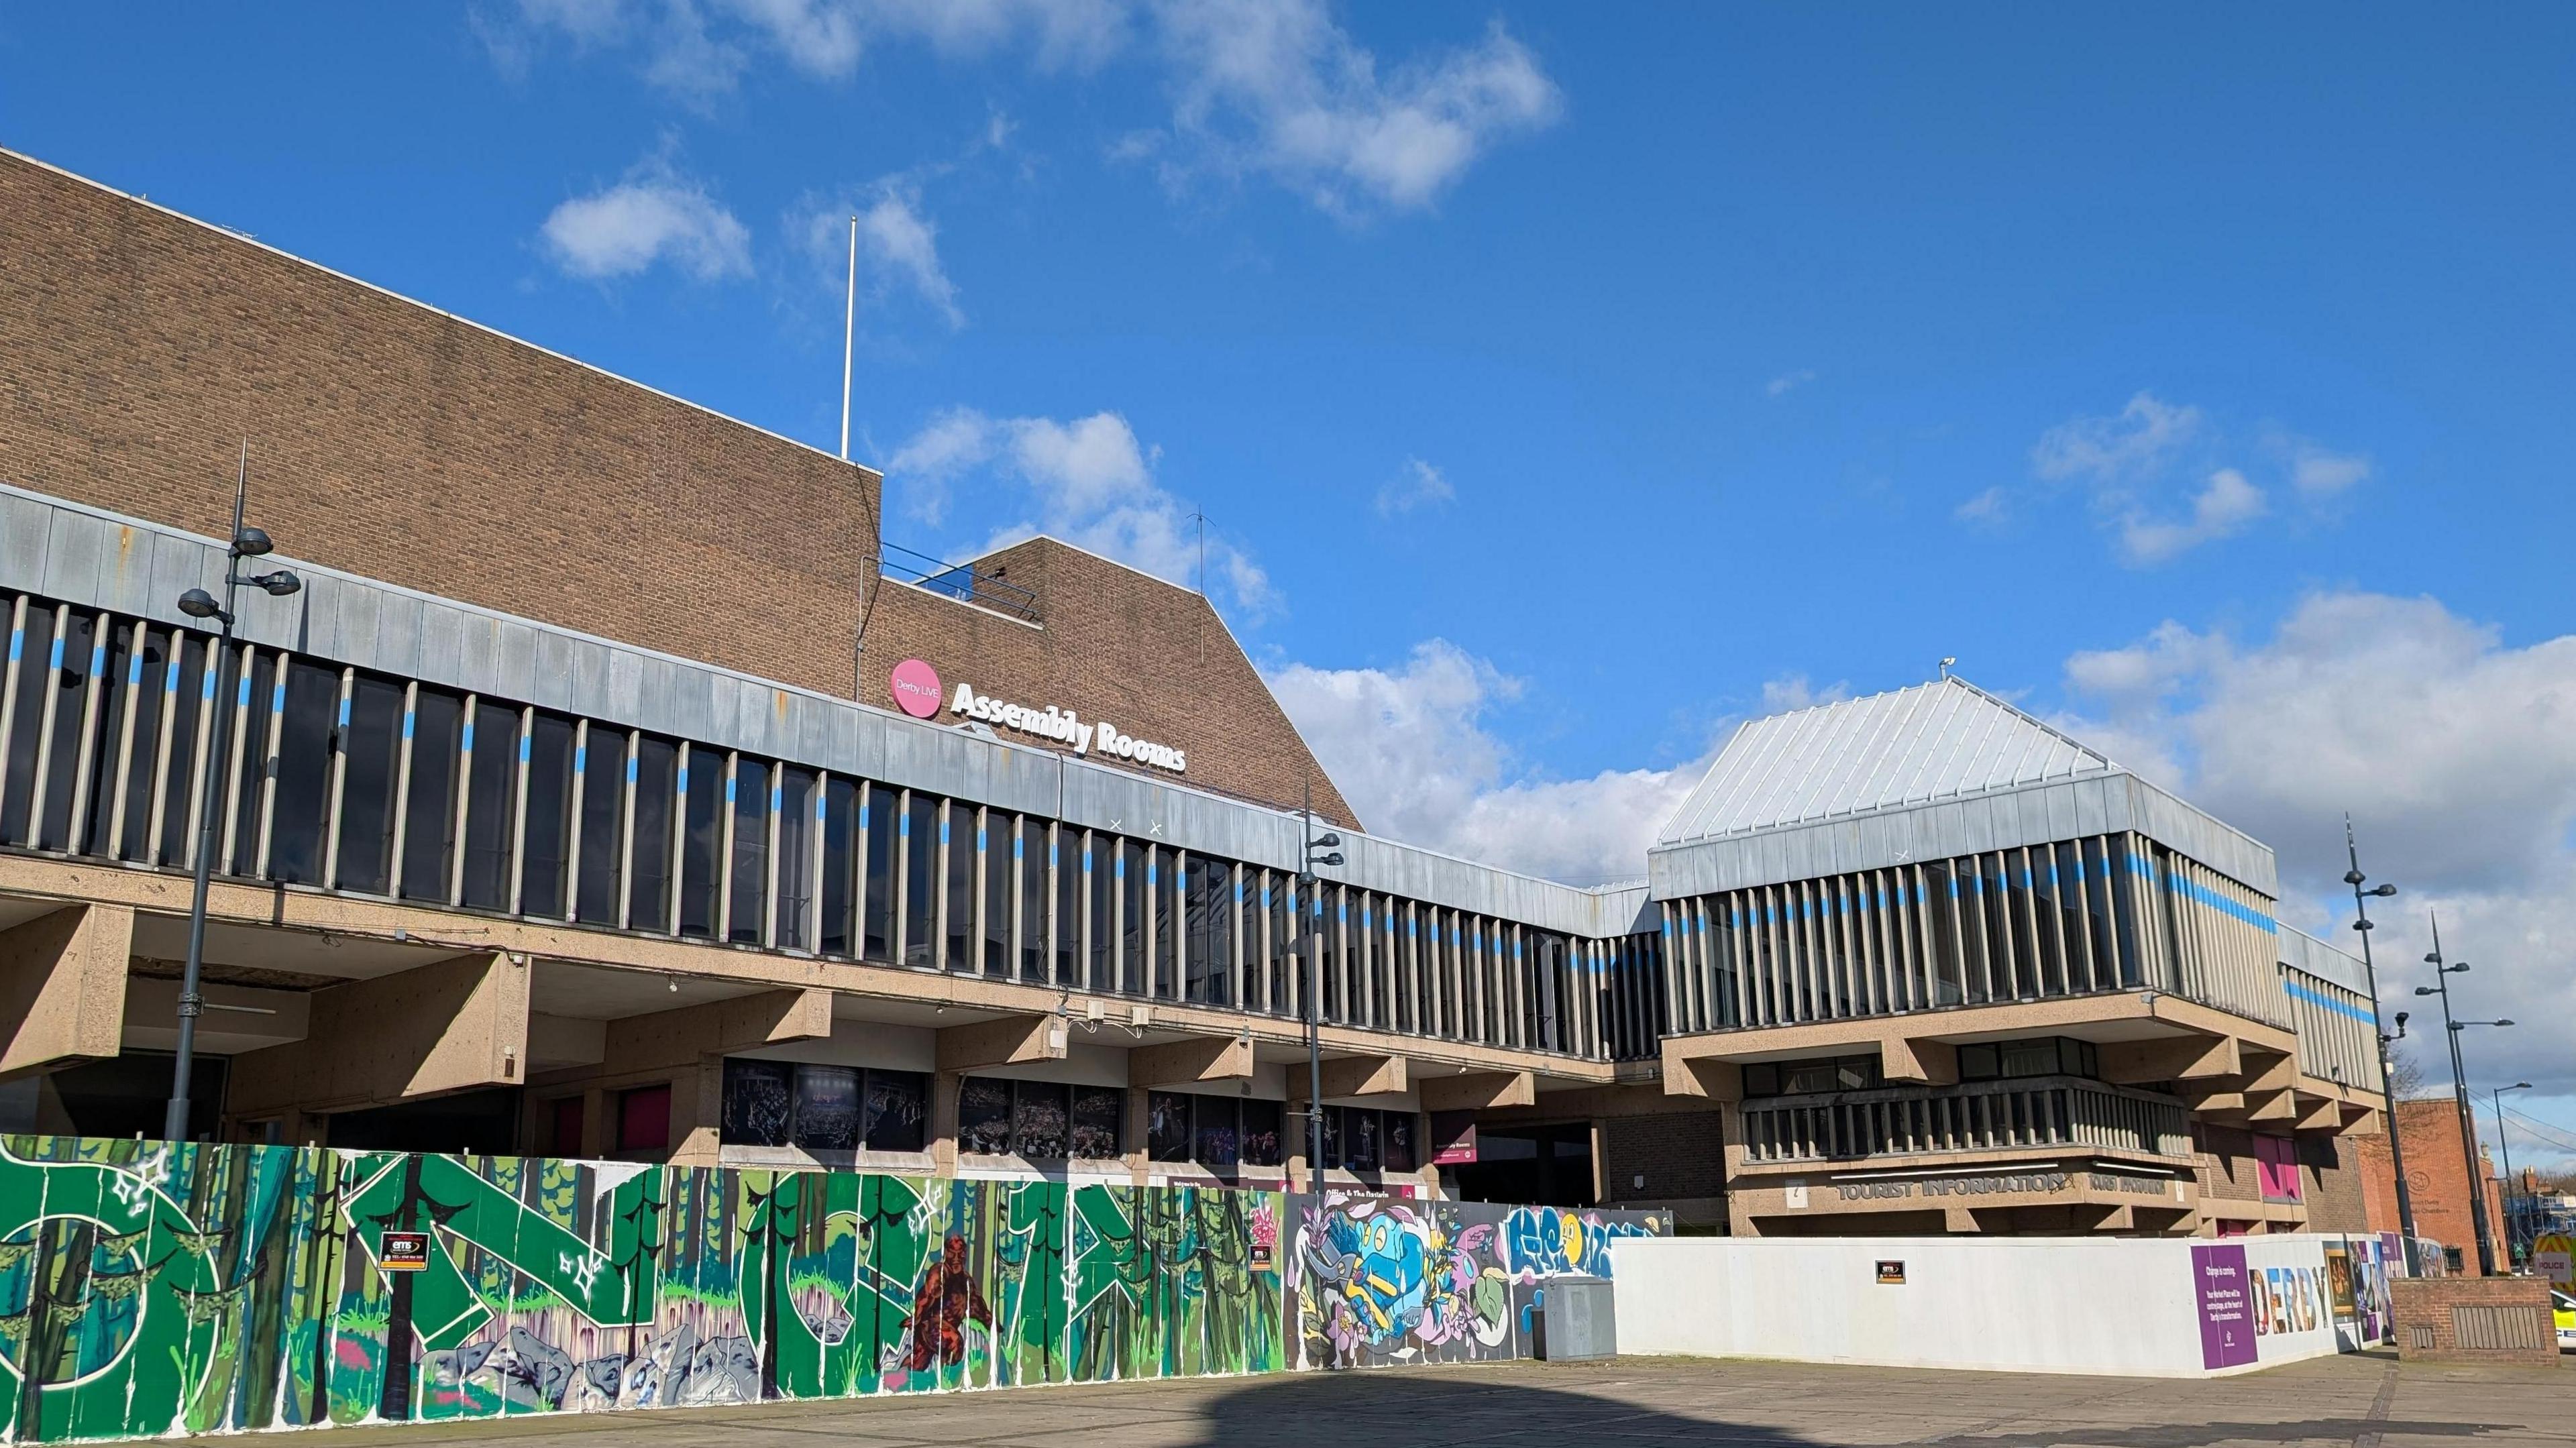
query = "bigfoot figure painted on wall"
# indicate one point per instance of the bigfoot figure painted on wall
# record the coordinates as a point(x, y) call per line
point(947, 1300)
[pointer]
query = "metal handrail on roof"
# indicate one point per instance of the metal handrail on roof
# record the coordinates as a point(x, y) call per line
point(966, 582)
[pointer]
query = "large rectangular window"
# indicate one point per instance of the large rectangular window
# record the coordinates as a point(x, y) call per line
point(984, 1116)
point(304, 773)
point(190, 694)
point(819, 1108)
point(656, 779)
point(545, 885)
point(1030, 852)
point(1099, 1122)
point(602, 760)
point(1163, 873)
point(79, 659)
point(840, 865)
point(257, 703)
point(491, 803)
point(1064, 858)
point(1210, 948)
point(702, 787)
point(148, 676)
point(1100, 868)
point(961, 842)
point(31, 657)
point(897, 1110)
point(1259, 1138)
point(429, 811)
point(747, 905)
point(1133, 902)
point(796, 800)
point(879, 822)
point(920, 878)
point(372, 747)
point(997, 843)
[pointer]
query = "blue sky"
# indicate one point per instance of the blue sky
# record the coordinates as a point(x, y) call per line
point(1563, 385)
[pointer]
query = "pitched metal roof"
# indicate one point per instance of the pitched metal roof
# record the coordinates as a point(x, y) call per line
point(1947, 739)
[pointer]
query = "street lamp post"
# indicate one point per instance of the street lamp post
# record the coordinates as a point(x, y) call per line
point(2387, 1079)
point(1308, 859)
point(2506, 1146)
point(2451, 1028)
point(199, 604)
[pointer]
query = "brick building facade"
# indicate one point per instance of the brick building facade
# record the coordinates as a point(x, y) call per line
point(2436, 1178)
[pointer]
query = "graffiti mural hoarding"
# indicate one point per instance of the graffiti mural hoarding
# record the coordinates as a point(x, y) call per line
point(1378, 1280)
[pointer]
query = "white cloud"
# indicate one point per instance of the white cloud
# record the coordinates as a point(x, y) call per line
point(2319, 474)
point(894, 233)
point(1989, 506)
point(1275, 87)
point(897, 240)
point(2164, 481)
point(2455, 754)
point(1417, 485)
point(654, 215)
point(1788, 382)
point(1257, 87)
point(1409, 749)
point(2127, 444)
point(2221, 509)
point(1088, 481)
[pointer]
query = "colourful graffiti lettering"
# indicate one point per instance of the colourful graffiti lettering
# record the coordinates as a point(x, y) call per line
point(149, 1289)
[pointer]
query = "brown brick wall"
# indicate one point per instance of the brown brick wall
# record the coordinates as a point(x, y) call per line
point(1113, 644)
point(2436, 1177)
point(139, 350)
point(2330, 1180)
point(2227, 1170)
point(1680, 1154)
point(2431, 1312)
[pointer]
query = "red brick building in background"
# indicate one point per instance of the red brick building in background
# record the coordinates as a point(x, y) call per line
point(2438, 1179)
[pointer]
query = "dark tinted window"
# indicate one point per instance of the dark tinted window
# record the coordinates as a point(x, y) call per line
point(31, 650)
point(429, 814)
point(878, 815)
point(372, 745)
point(1258, 1143)
point(82, 657)
point(961, 838)
point(748, 905)
point(702, 816)
point(759, 1103)
point(984, 1115)
point(1039, 1125)
point(897, 1103)
point(656, 781)
point(840, 858)
point(921, 866)
point(796, 831)
point(188, 697)
point(1396, 1141)
point(1167, 1126)
point(304, 773)
point(1099, 1121)
point(491, 802)
point(547, 878)
point(603, 823)
point(1215, 1135)
point(830, 1104)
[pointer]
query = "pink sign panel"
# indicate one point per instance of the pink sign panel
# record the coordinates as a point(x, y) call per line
point(916, 688)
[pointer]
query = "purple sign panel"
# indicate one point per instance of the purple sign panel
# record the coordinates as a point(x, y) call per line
point(2226, 1306)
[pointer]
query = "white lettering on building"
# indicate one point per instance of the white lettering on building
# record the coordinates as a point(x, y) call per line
point(1065, 727)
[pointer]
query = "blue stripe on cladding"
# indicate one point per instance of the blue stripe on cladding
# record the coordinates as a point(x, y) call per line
point(979, 839)
point(1117, 866)
point(523, 758)
point(468, 747)
point(277, 695)
point(943, 827)
point(57, 660)
point(1017, 853)
point(98, 658)
point(344, 713)
point(819, 796)
point(580, 758)
point(2327, 1002)
point(17, 643)
point(208, 693)
point(170, 680)
point(406, 723)
point(777, 792)
point(1151, 869)
point(729, 781)
point(630, 776)
point(134, 671)
point(903, 825)
point(679, 785)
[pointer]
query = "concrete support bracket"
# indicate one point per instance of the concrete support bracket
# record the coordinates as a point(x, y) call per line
point(1006, 1041)
point(1359, 1076)
point(456, 1025)
point(62, 987)
point(1479, 1091)
point(1185, 1063)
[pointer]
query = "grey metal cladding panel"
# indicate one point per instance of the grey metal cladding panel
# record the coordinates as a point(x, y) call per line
point(26, 525)
point(397, 649)
point(859, 738)
point(551, 685)
point(2062, 815)
point(1021, 779)
point(2092, 810)
point(514, 664)
point(355, 625)
point(443, 635)
point(586, 677)
point(688, 698)
point(2303, 951)
point(72, 548)
point(125, 571)
point(178, 564)
point(2196, 834)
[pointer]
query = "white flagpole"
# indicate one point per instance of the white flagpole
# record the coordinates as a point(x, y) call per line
point(849, 335)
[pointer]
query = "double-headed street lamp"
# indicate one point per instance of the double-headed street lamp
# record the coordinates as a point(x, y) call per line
point(199, 604)
point(2442, 973)
point(2506, 1147)
point(1308, 859)
point(2387, 1082)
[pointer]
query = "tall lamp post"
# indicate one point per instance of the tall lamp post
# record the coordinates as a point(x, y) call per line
point(2387, 1080)
point(1308, 859)
point(2506, 1146)
point(2451, 1028)
point(199, 604)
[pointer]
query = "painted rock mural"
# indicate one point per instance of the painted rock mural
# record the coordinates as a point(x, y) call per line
point(148, 1289)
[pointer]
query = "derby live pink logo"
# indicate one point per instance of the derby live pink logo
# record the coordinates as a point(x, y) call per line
point(916, 688)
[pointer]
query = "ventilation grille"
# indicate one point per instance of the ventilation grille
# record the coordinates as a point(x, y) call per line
point(2498, 1329)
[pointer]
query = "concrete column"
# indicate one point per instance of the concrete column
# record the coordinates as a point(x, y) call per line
point(62, 988)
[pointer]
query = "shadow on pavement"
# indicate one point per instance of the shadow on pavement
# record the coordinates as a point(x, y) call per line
point(1394, 1405)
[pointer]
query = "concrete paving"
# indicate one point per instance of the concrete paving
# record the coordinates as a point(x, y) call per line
point(2365, 1401)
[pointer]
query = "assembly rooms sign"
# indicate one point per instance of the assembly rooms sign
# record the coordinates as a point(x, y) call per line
point(916, 690)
